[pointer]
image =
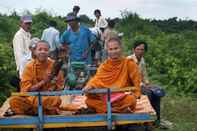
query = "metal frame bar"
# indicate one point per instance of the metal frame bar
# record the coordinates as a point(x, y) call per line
point(109, 110)
point(40, 113)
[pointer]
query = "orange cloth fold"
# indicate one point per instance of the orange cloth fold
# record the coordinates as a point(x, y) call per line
point(120, 73)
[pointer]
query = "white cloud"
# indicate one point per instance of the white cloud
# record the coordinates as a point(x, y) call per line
point(160, 9)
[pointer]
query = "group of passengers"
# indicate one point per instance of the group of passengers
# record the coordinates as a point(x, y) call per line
point(34, 66)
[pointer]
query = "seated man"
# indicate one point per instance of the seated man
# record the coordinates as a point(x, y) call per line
point(116, 71)
point(37, 77)
point(138, 52)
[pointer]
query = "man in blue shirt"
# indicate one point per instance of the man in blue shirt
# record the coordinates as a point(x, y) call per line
point(78, 40)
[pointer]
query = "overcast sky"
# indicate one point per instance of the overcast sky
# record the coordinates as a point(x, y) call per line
point(159, 9)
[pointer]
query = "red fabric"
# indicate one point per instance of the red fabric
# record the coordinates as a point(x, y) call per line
point(114, 97)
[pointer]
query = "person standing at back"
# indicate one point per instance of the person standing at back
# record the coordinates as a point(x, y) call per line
point(51, 35)
point(109, 32)
point(76, 9)
point(78, 40)
point(22, 40)
point(100, 22)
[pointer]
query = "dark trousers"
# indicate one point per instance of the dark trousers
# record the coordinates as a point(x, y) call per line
point(15, 81)
point(53, 54)
point(154, 99)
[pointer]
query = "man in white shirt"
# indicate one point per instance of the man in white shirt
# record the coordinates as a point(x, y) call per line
point(100, 22)
point(51, 35)
point(22, 40)
point(29, 56)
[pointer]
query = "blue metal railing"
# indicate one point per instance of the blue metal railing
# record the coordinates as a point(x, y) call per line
point(41, 119)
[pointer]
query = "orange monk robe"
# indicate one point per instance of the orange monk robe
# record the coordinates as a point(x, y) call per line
point(35, 72)
point(121, 73)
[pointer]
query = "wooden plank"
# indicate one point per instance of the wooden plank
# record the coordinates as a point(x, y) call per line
point(79, 124)
point(134, 122)
point(93, 124)
point(19, 126)
point(76, 124)
point(75, 121)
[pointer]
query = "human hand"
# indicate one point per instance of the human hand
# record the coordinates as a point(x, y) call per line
point(87, 88)
point(85, 54)
point(48, 77)
point(63, 47)
point(51, 89)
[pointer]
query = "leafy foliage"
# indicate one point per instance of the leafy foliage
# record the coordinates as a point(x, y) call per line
point(171, 57)
point(6, 70)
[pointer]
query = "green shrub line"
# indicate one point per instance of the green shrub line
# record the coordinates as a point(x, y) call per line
point(171, 58)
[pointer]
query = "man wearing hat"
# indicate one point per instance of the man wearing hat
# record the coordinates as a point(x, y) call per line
point(78, 39)
point(22, 40)
point(76, 9)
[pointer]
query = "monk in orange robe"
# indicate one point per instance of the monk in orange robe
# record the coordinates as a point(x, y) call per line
point(116, 71)
point(37, 77)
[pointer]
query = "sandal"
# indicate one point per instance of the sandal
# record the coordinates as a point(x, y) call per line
point(9, 112)
point(85, 111)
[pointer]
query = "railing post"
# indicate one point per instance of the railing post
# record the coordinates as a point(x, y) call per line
point(109, 110)
point(40, 112)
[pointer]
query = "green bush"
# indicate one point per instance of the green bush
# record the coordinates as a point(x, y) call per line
point(171, 58)
point(7, 70)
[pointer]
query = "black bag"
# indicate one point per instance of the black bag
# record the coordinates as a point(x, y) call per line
point(158, 91)
point(15, 82)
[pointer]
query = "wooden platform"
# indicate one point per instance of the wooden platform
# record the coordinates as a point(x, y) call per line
point(143, 105)
point(144, 115)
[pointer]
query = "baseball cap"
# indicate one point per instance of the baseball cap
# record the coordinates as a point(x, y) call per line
point(71, 17)
point(26, 18)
